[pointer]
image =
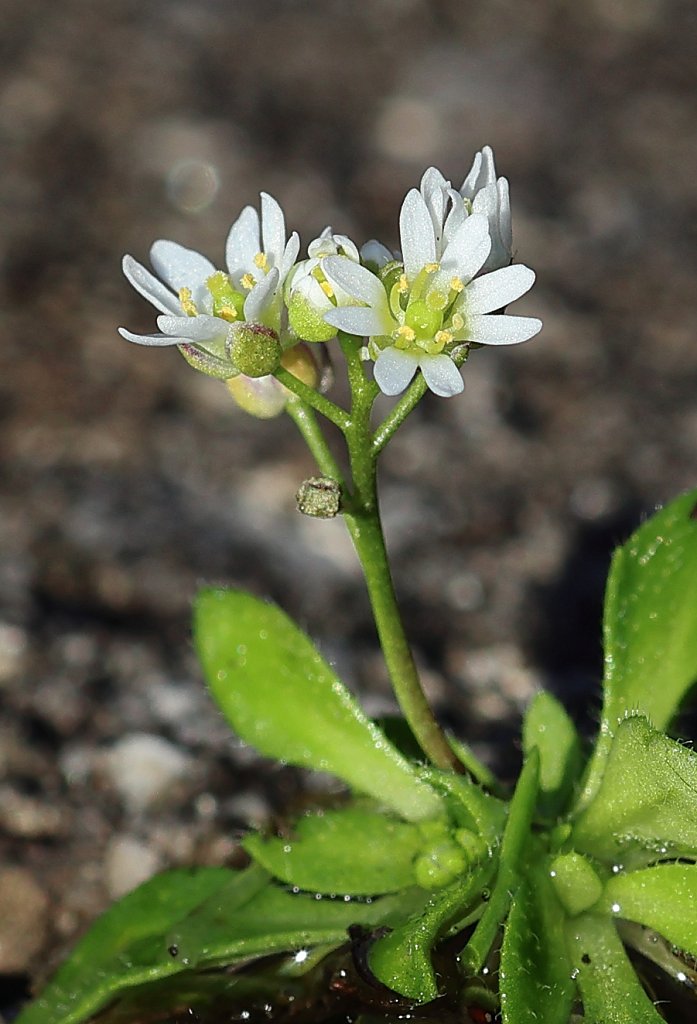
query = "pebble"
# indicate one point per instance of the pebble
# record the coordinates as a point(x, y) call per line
point(23, 910)
point(28, 817)
point(143, 767)
point(128, 862)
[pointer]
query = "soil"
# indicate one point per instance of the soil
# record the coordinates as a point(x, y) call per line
point(127, 480)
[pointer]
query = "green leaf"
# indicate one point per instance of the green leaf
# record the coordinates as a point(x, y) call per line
point(609, 986)
point(644, 809)
point(106, 960)
point(547, 726)
point(535, 974)
point(276, 920)
point(402, 959)
point(353, 851)
point(650, 624)
point(663, 898)
point(281, 697)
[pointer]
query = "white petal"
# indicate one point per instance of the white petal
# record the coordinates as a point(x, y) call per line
point(360, 320)
point(469, 185)
point(348, 247)
point(456, 217)
point(178, 266)
point(434, 189)
point(441, 375)
point(260, 297)
point(501, 330)
point(416, 234)
point(394, 370)
point(290, 255)
point(377, 253)
point(194, 328)
point(496, 290)
point(273, 229)
point(357, 281)
point(505, 213)
point(149, 286)
point(242, 245)
point(148, 339)
point(468, 248)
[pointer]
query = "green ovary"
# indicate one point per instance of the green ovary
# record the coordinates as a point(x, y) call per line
point(423, 320)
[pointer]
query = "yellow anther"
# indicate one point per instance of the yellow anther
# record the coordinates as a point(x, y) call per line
point(247, 282)
point(402, 284)
point(457, 285)
point(228, 313)
point(187, 303)
point(458, 321)
point(431, 268)
point(443, 338)
point(327, 289)
point(404, 335)
point(261, 260)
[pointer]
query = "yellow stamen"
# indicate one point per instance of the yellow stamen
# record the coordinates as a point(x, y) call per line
point(457, 284)
point(402, 284)
point(443, 338)
point(261, 260)
point(404, 336)
point(458, 322)
point(327, 289)
point(431, 268)
point(247, 282)
point(187, 303)
point(228, 313)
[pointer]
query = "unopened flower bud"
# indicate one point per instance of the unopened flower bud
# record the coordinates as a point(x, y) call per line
point(254, 349)
point(265, 397)
point(307, 317)
point(319, 496)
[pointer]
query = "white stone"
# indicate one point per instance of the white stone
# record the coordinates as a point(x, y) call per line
point(143, 767)
point(128, 862)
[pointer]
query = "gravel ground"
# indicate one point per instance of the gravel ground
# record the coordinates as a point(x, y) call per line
point(126, 479)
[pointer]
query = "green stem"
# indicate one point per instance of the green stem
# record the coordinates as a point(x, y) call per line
point(306, 422)
point(362, 518)
point(338, 416)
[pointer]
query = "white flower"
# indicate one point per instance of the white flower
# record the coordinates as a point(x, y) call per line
point(417, 318)
point(309, 295)
point(200, 305)
point(489, 195)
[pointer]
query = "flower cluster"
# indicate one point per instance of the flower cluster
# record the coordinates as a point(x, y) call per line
point(418, 308)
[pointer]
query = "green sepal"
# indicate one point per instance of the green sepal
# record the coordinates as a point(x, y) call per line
point(663, 897)
point(281, 696)
point(402, 959)
point(124, 947)
point(535, 973)
point(352, 851)
point(644, 809)
point(547, 726)
point(608, 983)
point(649, 625)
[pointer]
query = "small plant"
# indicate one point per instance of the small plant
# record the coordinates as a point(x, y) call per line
point(429, 890)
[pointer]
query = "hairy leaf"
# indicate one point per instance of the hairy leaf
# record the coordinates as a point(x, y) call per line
point(663, 898)
point(548, 727)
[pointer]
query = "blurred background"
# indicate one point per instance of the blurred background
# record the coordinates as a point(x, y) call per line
point(126, 479)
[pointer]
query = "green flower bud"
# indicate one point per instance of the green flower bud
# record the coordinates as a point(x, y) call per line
point(576, 882)
point(254, 349)
point(439, 865)
point(265, 397)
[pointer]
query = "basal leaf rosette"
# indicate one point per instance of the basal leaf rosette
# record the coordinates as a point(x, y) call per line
point(418, 315)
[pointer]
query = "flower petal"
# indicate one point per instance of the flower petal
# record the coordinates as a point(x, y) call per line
point(416, 234)
point(505, 213)
point(242, 245)
point(148, 339)
point(358, 282)
point(178, 266)
point(500, 330)
point(375, 252)
point(394, 369)
point(260, 297)
point(441, 375)
point(193, 328)
point(273, 229)
point(149, 287)
point(360, 320)
point(290, 255)
point(468, 248)
point(496, 290)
